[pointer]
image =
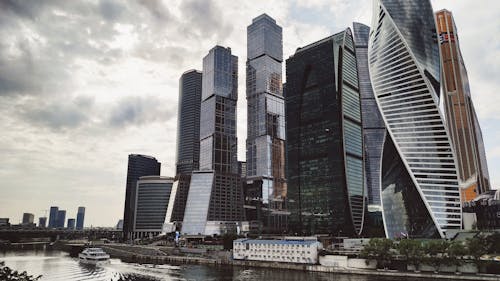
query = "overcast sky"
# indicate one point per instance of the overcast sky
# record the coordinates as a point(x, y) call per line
point(85, 83)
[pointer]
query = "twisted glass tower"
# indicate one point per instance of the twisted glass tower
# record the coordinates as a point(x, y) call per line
point(419, 185)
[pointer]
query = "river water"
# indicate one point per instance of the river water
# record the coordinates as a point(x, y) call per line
point(59, 266)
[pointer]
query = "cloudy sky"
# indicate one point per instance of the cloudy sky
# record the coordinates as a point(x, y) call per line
point(85, 83)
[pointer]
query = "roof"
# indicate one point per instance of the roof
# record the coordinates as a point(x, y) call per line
point(276, 242)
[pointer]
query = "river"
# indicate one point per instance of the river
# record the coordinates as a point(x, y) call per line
point(59, 266)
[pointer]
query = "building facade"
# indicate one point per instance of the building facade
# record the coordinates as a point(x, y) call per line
point(461, 118)
point(290, 250)
point(266, 118)
point(419, 184)
point(71, 224)
point(486, 210)
point(42, 222)
point(61, 218)
point(325, 139)
point(138, 166)
point(215, 195)
point(80, 217)
point(28, 218)
point(151, 203)
point(53, 217)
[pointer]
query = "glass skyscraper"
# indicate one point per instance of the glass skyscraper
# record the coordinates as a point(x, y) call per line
point(215, 197)
point(325, 139)
point(188, 139)
point(151, 203)
point(138, 166)
point(53, 217)
point(461, 118)
point(80, 217)
point(420, 194)
point(266, 120)
point(61, 218)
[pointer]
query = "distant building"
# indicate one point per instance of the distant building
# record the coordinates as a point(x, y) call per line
point(4, 222)
point(138, 166)
point(461, 118)
point(71, 224)
point(326, 190)
point(119, 225)
point(242, 169)
point(152, 198)
point(215, 198)
point(61, 219)
point(80, 217)
point(290, 250)
point(28, 218)
point(42, 222)
point(53, 217)
point(486, 208)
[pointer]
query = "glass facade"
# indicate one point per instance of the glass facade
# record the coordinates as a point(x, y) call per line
point(266, 117)
point(324, 139)
point(188, 122)
point(61, 219)
point(218, 147)
point(373, 124)
point(80, 217)
point(138, 166)
point(462, 121)
point(153, 195)
point(404, 71)
point(53, 217)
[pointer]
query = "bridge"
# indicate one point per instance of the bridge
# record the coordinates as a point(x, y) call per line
point(16, 235)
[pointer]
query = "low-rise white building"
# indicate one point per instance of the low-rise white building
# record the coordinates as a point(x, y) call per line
point(291, 249)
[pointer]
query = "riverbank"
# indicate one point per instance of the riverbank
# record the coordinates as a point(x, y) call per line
point(136, 254)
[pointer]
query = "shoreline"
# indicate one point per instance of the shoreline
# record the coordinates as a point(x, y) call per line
point(133, 257)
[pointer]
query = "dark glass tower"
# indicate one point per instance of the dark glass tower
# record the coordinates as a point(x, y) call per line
point(324, 138)
point(266, 122)
point(419, 184)
point(461, 118)
point(188, 138)
point(53, 217)
point(80, 216)
point(61, 218)
point(138, 166)
point(215, 194)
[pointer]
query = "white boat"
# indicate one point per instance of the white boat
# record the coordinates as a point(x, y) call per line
point(93, 256)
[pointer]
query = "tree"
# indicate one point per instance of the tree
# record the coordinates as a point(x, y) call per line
point(436, 250)
point(454, 253)
point(412, 250)
point(476, 248)
point(380, 250)
point(7, 274)
point(493, 242)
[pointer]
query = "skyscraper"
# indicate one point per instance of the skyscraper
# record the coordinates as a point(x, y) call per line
point(325, 138)
point(61, 219)
point(53, 217)
point(71, 224)
point(138, 166)
point(80, 216)
point(266, 117)
point(461, 118)
point(188, 139)
point(215, 198)
point(151, 203)
point(28, 218)
point(42, 222)
point(420, 195)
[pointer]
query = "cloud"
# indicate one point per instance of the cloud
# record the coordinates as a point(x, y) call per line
point(138, 110)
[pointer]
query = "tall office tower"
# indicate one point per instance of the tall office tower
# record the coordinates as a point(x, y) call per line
point(61, 218)
point(188, 139)
point(42, 222)
point(71, 224)
point(266, 118)
point(53, 217)
point(138, 166)
point(420, 194)
point(373, 133)
point(28, 218)
point(151, 203)
point(461, 118)
point(215, 198)
point(80, 217)
point(325, 138)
